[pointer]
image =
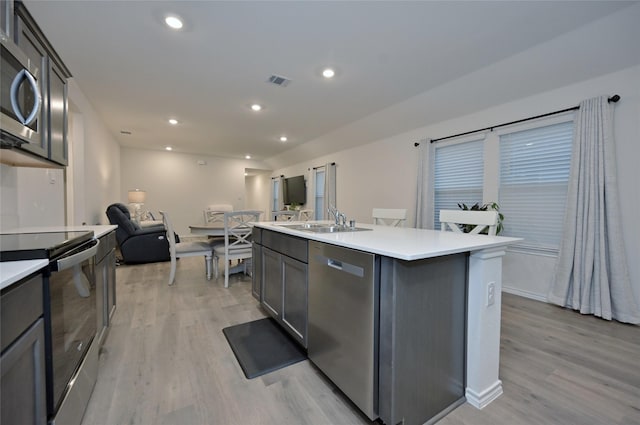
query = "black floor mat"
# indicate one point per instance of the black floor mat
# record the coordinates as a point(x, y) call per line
point(262, 346)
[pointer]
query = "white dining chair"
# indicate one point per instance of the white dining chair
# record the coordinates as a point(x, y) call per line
point(214, 213)
point(474, 221)
point(284, 215)
point(186, 249)
point(305, 215)
point(389, 217)
point(237, 242)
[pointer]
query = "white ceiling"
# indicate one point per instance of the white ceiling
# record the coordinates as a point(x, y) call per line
point(137, 73)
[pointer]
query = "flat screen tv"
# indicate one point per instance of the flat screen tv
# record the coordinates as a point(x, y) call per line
point(294, 191)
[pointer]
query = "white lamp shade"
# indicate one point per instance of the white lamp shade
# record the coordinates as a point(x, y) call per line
point(137, 196)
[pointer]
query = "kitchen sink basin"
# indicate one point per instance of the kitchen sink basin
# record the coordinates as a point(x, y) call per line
point(323, 228)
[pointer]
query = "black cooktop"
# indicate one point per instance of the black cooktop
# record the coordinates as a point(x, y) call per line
point(45, 245)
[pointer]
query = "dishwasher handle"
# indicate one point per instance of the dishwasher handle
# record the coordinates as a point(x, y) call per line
point(344, 267)
point(334, 263)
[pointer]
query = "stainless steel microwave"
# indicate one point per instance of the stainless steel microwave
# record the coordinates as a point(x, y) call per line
point(20, 96)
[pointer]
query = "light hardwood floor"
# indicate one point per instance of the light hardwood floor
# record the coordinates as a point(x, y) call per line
point(166, 361)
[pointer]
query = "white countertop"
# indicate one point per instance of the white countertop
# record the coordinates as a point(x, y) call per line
point(98, 229)
point(398, 242)
point(13, 271)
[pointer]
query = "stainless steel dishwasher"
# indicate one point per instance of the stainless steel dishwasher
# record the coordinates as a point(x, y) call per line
point(343, 320)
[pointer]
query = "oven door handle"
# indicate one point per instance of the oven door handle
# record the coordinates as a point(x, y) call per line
point(74, 259)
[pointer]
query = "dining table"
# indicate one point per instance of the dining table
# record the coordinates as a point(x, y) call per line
point(209, 229)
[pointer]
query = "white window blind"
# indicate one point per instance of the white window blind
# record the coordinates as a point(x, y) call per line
point(458, 176)
point(534, 171)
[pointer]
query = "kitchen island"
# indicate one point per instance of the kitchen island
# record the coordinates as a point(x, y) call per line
point(436, 313)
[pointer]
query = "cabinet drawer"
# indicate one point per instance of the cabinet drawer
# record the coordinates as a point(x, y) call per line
point(291, 246)
point(20, 306)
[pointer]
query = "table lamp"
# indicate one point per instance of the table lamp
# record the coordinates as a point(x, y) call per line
point(136, 199)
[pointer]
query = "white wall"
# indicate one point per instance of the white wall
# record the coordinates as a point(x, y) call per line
point(96, 161)
point(258, 193)
point(40, 192)
point(176, 183)
point(31, 197)
point(383, 173)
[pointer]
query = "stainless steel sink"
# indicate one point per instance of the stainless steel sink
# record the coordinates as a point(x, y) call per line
point(323, 228)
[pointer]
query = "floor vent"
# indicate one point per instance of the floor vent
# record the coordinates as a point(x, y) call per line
point(279, 80)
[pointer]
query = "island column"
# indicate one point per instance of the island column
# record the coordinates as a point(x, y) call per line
point(483, 326)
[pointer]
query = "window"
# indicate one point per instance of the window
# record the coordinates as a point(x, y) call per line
point(534, 173)
point(319, 195)
point(458, 176)
point(275, 192)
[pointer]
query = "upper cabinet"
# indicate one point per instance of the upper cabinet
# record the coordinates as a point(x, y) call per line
point(52, 122)
point(58, 108)
point(6, 16)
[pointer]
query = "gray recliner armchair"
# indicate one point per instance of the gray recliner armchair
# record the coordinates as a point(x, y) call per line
point(138, 245)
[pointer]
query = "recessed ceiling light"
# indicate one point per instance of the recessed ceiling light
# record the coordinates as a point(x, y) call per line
point(173, 121)
point(169, 148)
point(256, 107)
point(246, 174)
point(283, 138)
point(173, 22)
point(328, 73)
point(247, 156)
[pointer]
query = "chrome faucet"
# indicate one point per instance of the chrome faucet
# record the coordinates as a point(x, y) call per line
point(337, 215)
point(341, 217)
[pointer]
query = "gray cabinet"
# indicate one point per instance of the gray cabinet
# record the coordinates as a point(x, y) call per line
point(422, 338)
point(22, 361)
point(105, 283)
point(6, 17)
point(272, 281)
point(57, 108)
point(294, 297)
point(256, 264)
point(284, 284)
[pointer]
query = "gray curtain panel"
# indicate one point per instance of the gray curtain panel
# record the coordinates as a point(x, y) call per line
point(330, 183)
point(591, 273)
point(424, 200)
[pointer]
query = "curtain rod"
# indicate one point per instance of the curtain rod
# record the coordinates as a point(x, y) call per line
point(613, 99)
point(322, 166)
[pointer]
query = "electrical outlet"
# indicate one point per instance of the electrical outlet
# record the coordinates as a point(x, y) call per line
point(491, 293)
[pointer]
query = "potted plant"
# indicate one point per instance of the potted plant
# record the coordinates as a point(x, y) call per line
point(490, 206)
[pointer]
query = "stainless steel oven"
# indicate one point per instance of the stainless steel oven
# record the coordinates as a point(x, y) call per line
point(20, 96)
point(70, 327)
point(69, 302)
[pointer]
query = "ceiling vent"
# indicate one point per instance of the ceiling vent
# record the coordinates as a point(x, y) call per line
point(279, 80)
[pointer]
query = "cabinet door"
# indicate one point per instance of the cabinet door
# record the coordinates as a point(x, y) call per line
point(22, 380)
point(101, 299)
point(6, 17)
point(36, 52)
point(256, 272)
point(58, 108)
point(272, 281)
point(294, 310)
point(111, 280)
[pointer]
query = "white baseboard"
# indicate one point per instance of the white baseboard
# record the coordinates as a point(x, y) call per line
point(525, 294)
point(482, 400)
